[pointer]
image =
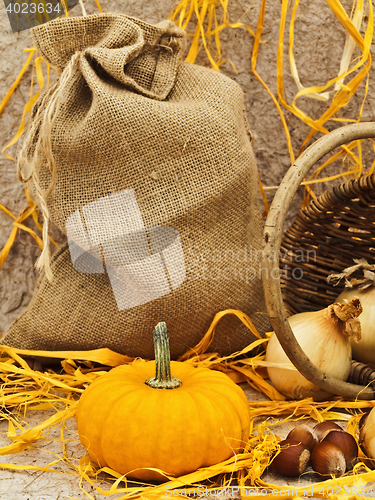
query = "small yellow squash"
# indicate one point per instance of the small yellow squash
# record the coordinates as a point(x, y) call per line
point(131, 419)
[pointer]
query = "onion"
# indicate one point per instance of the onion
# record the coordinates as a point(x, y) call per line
point(364, 349)
point(325, 338)
point(367, 435)
point(364, 289)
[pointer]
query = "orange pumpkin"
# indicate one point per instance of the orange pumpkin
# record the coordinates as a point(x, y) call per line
point(131, 419)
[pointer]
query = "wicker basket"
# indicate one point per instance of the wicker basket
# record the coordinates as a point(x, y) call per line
point(325, 237)
point(333, 229)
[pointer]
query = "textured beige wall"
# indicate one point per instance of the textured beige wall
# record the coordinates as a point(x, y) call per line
point(319, 41)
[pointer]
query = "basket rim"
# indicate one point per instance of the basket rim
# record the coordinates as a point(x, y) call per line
point(337, 195)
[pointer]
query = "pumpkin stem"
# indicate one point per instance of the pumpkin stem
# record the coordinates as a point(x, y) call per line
point(163, 378)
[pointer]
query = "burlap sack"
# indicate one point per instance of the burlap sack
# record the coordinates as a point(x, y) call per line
point(129, 116)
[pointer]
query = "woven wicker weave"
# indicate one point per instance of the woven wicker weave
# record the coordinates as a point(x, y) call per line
point(333, 229)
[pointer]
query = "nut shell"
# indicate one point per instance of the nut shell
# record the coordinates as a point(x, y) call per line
point(304, 435)
point(346, 442)
point(323, 427)
point(327, 459)
point(292, 460)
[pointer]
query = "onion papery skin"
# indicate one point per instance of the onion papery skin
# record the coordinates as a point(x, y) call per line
point(364, 349)
point(367, 436)
point(325, 346)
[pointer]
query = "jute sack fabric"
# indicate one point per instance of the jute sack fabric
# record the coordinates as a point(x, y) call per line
point(128, 114)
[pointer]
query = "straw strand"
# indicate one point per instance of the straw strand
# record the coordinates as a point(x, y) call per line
point(41, 127)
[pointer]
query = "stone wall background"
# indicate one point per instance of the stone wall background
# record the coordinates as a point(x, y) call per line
point(319, 42)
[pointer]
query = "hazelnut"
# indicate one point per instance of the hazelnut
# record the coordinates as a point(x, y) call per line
point(322, 427)
point(304, 435)
point(346, 442)
point(292, 459)
point(327, 459)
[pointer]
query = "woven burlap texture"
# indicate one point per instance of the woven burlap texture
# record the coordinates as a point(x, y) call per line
point(132, 115)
